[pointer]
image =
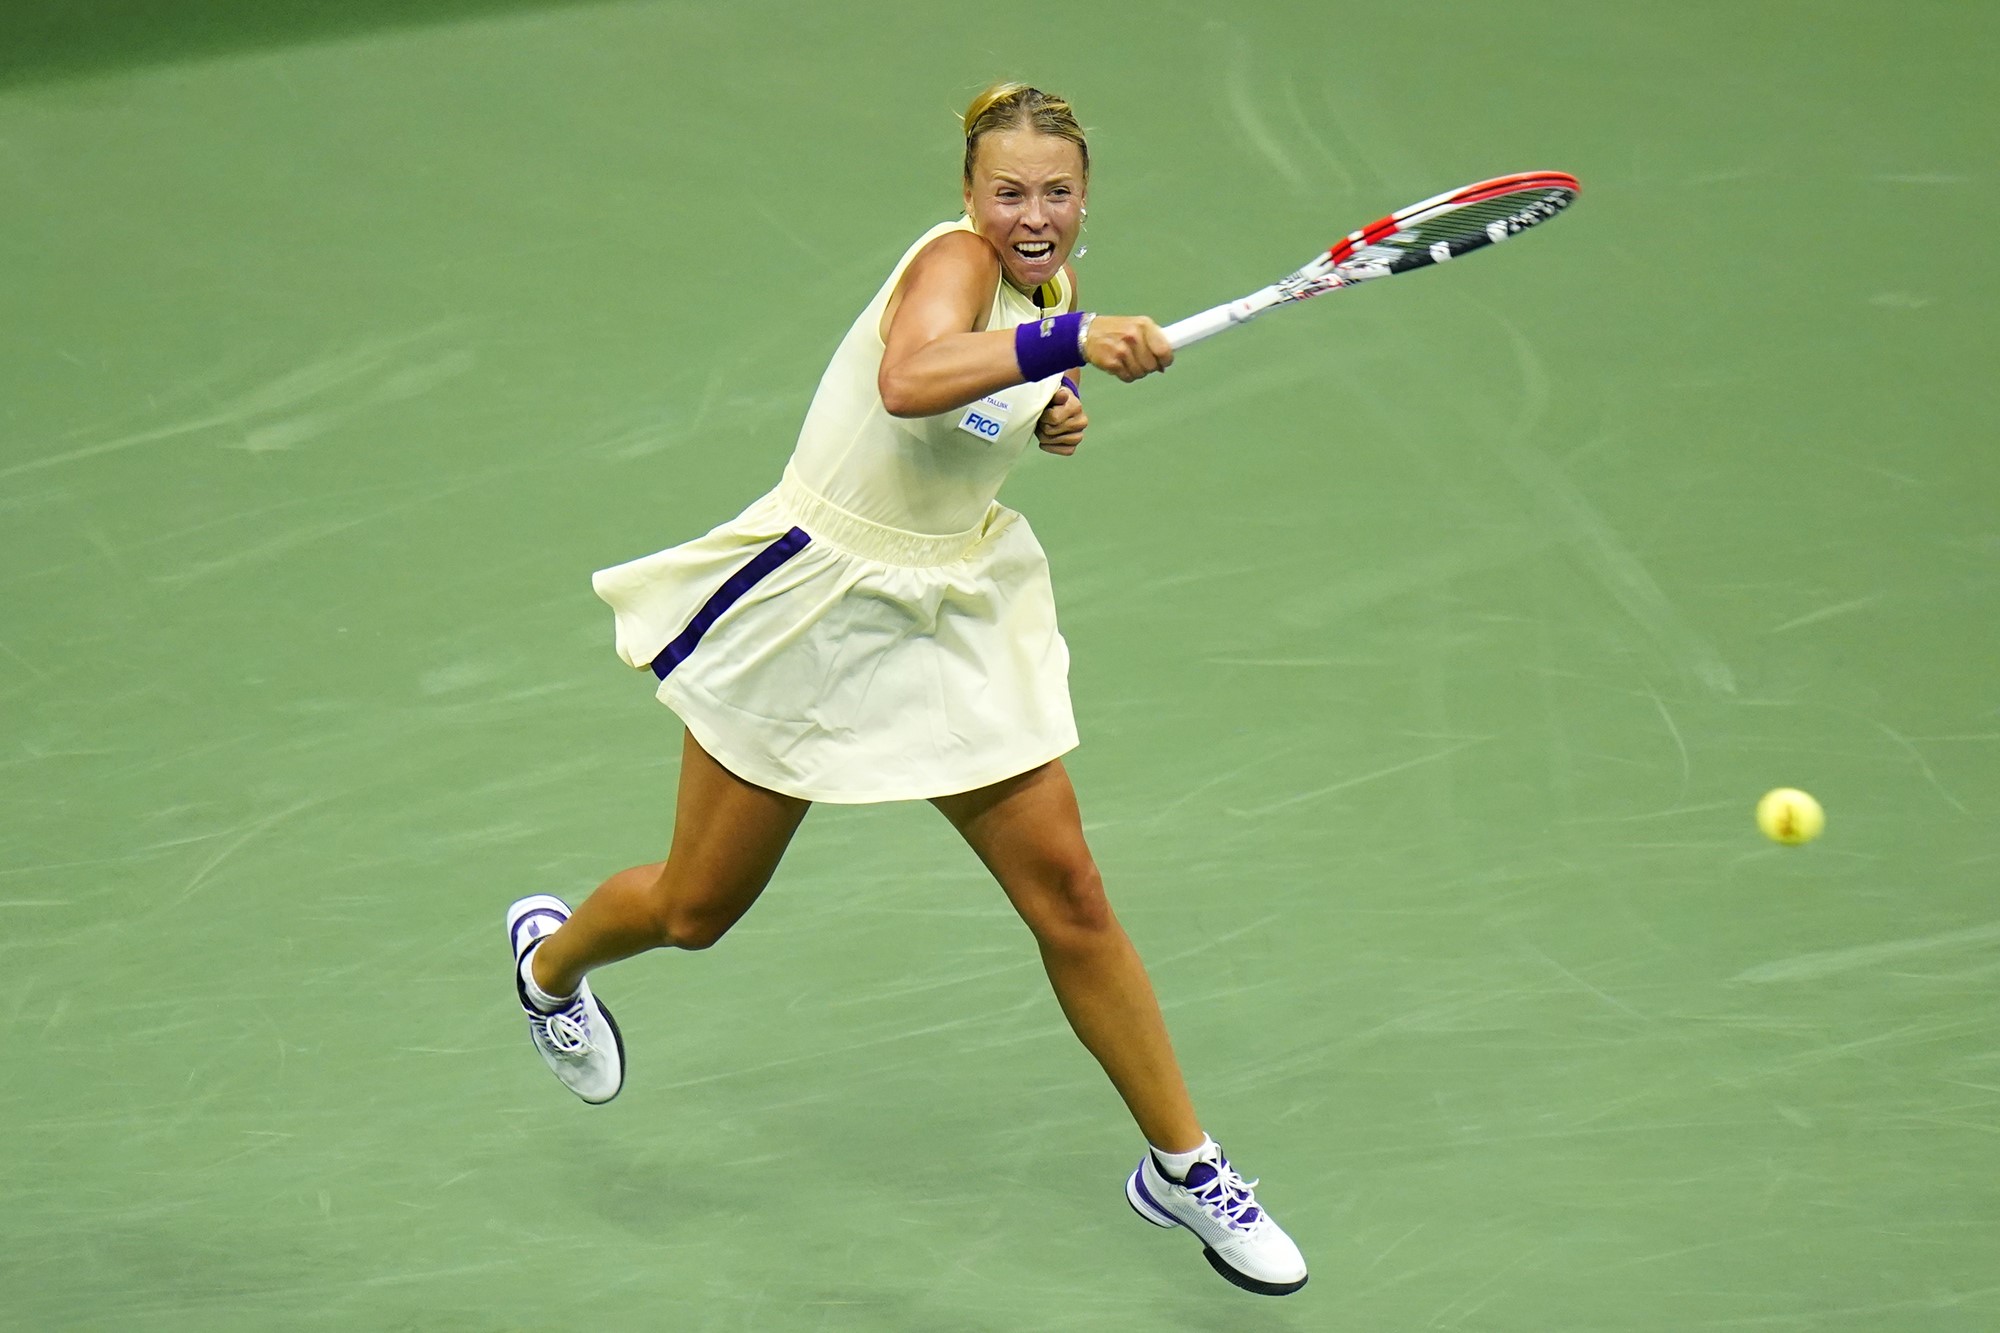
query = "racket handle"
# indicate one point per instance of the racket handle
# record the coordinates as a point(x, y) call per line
point(1196, 327)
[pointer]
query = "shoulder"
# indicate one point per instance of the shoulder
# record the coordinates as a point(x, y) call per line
point(965, 252)
point(956, 272)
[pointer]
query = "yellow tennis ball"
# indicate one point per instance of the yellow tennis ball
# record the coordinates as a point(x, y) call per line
point(1790, 816)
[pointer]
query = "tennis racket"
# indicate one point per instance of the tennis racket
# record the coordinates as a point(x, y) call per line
point(1431, 232)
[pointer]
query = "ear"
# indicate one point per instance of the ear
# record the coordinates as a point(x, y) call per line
point(967, 196)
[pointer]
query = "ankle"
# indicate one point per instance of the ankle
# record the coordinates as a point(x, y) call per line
point(540, 992)
point(1177, 1164)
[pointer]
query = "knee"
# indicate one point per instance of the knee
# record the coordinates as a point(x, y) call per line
point(683, 925)
point(1071, 908)
point(691, 915)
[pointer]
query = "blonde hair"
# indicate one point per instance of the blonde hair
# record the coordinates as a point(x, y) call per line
point(1011, 106)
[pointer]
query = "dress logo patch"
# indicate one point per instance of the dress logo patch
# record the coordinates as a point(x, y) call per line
point(986, 418)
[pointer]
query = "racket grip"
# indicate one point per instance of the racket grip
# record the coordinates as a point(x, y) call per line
point(1196, 327)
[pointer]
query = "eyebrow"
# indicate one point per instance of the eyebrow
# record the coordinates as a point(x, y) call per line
point(1006, 178)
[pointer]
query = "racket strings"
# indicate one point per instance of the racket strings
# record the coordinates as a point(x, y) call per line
point(1454, 229)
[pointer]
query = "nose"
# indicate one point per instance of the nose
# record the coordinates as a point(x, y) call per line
point(1038, 213)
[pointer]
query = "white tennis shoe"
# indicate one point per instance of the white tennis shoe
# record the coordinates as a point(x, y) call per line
point(579, 1041)
point(1239, 1238)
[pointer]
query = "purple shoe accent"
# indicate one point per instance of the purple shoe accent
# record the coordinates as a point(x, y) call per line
point(1139, 1182)
point(558, 917)
point(1202, 1175)
point(731, 591)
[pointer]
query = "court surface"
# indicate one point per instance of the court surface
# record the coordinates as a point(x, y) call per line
point(1432, 644)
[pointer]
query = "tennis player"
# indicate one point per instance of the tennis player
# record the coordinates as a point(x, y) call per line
point(877, 628)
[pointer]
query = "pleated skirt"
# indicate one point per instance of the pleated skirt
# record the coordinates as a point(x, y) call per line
point(831, 658)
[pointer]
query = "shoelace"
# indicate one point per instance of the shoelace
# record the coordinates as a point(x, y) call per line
point(1228, 1198)
point(567, 1031)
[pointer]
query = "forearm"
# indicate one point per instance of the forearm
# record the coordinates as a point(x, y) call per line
point(949, 372)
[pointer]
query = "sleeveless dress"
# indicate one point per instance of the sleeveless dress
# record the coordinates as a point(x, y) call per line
point(878, 627)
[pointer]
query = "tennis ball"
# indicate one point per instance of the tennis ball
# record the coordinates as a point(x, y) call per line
point(1790, 816)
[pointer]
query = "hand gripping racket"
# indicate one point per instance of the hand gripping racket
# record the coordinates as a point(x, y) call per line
point(1428, 233)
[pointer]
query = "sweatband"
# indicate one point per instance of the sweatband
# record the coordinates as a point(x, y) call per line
point(1046, 347)
point(1075, 390)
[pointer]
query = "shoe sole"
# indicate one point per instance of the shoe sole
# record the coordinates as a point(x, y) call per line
point(1245, 1281)
point(543, 902)
point(1144, 1207)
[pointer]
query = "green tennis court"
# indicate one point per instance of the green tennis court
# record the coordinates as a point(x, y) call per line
point(1432, 645)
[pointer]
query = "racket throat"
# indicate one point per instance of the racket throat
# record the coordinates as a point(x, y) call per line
point(1257, 302)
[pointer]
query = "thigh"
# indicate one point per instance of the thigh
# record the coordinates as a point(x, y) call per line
point(729, 834)
point(1029, 833)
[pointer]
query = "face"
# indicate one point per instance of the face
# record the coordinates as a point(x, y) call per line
point(1026, 197)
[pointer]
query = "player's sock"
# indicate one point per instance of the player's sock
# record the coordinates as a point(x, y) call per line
point(538, 997)
point(1176, 1165)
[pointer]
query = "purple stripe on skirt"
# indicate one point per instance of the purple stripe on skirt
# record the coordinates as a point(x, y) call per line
point(731, 591)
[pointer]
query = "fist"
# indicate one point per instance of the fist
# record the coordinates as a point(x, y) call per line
point(1130, 347)
point(1060, 428)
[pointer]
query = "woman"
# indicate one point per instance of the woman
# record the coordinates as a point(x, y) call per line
point(877, 629)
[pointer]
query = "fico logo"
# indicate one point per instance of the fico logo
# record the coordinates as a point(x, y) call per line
point(980, 425)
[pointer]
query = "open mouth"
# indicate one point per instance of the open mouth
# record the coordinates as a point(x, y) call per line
point(1034, 251)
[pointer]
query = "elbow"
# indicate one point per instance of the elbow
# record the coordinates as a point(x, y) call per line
point(899, 396)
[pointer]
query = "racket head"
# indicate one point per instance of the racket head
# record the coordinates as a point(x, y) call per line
point(1452, 224)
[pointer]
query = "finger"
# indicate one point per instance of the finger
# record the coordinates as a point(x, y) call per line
point(1157, 344)
point(1143, 354)
point(1064, 450)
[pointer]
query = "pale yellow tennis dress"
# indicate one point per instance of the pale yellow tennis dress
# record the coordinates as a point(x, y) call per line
point(877, 628)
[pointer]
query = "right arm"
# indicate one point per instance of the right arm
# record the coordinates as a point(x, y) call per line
point(935, 357)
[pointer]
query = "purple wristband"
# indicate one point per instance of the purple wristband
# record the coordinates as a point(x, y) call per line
point(1046, 347)
point(1075, 389)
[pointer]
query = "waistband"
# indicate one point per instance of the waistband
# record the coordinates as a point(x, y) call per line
point(868, 539)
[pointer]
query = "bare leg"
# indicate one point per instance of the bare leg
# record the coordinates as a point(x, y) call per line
point(728, 837)
point(1029, 833)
